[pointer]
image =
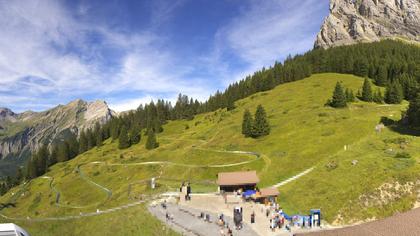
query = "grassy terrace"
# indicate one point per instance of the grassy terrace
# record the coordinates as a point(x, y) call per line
point(304, 133)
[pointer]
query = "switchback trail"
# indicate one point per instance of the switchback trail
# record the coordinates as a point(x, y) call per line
point(161, 163)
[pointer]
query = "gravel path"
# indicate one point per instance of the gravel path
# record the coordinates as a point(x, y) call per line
point(293, 177)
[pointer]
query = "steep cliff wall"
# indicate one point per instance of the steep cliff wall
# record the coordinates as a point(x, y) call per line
point(352, 21)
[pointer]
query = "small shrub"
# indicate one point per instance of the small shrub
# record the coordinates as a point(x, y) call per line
point(121, 156)
point(331, 165)
point(96, 173)
point(323, 114)
point(399, 140)
point(402, 155)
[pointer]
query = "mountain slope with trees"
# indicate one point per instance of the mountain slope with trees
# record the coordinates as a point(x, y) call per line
point(303, 133)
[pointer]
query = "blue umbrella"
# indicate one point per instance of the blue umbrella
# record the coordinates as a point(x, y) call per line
point(249, 193)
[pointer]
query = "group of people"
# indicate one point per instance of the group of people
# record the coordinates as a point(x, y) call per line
point(277, 218)
point(185, 189)
point(225, 230)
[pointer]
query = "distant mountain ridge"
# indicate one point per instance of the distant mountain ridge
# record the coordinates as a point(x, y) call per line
point(353, 21)
point(22, 133)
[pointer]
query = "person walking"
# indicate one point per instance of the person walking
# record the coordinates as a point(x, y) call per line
point(188, 192)
point(253, 218)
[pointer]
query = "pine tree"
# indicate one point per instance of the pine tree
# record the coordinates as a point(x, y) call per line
point(31, 168)
point(83, 142)
point(413, 112)
point(339, 98)
point(378, 97)
point(63, 152)
point(394, 93)
point(135, 134)
point(41, 158)
point(247, 124)
point(73, 146)
point(19, 175)
point(367, 91)
point(53, 155)
point(261, 126)
point(114, 129)
point(91, 139)
point(349, 95)
point(123, 141)
point(151, 142)
point(382, 77)
point(3, 189)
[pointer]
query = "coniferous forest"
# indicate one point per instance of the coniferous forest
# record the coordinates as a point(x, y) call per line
point(391, 64)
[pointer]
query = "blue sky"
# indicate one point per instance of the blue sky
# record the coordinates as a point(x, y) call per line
point(129, 52)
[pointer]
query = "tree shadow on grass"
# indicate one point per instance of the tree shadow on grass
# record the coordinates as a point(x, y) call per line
point(6, 205)
point(400, 127)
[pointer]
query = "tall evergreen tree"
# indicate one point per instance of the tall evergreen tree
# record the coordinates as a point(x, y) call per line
point(41, 158)
point(382, 77)
point(123, 141)
point(413, 112)
point(31, 168)
point(73, 146)
point(91, 138)
point(135, 134)
point(83, 142)
point(350, 95)
point(339, 98)
point(367, 91)
point(394, 93)
point(151, 142)
point(63, 152)
point(261, 125)
point(53, 155)
point(247, 124)
point(378, 97)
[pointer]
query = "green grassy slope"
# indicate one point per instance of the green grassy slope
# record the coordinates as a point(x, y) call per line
point(304, 134)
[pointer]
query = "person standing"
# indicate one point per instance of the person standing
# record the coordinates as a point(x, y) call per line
point(253, 218)
point(188, 192)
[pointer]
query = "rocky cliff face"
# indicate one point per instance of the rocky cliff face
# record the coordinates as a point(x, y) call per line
point(6, 114)
point(22, 133)
point(352, 21)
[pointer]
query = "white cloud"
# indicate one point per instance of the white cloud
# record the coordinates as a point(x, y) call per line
point(266, 31)
point(43, 40)
point(129, 104)
point(40, 38)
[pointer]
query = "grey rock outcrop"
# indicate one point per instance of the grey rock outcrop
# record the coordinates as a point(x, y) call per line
point(7, 114)
point(353, 21)
point(20, 134)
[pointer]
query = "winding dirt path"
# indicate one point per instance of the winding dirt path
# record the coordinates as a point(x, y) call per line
point(109, 193)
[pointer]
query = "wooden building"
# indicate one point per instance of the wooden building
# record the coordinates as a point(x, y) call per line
point(233, 181)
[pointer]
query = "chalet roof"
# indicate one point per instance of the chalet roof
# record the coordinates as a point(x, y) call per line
point(237, 178)
point(269, 192)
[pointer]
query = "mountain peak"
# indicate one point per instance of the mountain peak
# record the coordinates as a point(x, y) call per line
point(353, 21)
point(6, 114)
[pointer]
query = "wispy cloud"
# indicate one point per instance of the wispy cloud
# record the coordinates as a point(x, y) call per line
point(266, 31)
point(162, 11)
point(49, 55)
point(71, 58)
